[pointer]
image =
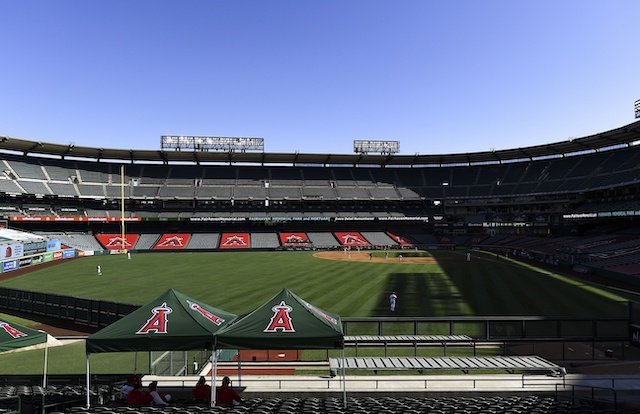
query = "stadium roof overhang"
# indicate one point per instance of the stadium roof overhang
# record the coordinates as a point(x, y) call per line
point(618, 137)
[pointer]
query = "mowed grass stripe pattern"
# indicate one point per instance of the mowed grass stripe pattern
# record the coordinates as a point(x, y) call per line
point(241, 281)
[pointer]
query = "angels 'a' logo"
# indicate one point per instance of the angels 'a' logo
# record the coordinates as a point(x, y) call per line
point(15, 334)
point(213, 318)
point(117, 241)
point(158, 322)
point(175, 241)
point(235, 240)
point(281, 320)
point(349, 239)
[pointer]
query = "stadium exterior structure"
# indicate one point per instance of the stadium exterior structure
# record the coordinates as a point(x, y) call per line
point(551, 189)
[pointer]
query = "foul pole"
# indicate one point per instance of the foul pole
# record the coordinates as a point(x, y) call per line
point(124, 250)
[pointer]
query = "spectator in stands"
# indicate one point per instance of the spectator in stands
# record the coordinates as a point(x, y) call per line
point(225, 395)
point(137, 396)
point(157, 397)
point(124, 391)
point(201, 391)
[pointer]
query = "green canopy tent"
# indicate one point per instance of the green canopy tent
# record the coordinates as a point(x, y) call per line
point(14, 336)
point(285, 321)
point(172, 321)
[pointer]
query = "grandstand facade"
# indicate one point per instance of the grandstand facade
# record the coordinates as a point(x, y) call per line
point(534, 190)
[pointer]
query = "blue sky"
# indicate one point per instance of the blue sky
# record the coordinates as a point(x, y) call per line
point(312, 76)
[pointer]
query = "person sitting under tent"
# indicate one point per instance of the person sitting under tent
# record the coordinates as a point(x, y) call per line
point(126, 388)
point(137, 396)
point(225, 395)
point(157, 397)
point(201, 391)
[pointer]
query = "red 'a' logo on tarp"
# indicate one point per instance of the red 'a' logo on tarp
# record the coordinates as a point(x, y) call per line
point(213, 318)
point(174, 241)
point(281, 320)
point(158, 322)
point(12, 331)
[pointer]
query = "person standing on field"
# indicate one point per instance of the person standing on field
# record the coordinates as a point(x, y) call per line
point(392, 301)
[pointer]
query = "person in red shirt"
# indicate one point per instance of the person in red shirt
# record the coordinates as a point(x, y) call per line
point(201, 391)
point(138, 397)
point(225, 395)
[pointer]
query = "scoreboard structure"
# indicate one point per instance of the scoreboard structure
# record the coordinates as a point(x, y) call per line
point(379, 147)
point(204, 144)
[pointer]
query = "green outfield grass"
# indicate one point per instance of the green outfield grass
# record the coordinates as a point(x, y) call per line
point(241, 281)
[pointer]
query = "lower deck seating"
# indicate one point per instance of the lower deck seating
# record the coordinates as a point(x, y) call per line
point(382, 404)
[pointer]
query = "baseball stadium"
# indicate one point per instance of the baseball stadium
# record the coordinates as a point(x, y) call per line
point(371, 282)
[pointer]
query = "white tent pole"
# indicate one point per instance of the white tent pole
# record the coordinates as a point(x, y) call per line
point(88, 383)
point(214, 370)
point(239, 370)
point(344, 380)
point(46, 354)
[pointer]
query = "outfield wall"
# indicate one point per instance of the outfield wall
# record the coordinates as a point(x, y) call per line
point(100, 313)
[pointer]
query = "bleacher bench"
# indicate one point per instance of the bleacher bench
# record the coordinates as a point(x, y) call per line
point(399, 340)
point(529, 363)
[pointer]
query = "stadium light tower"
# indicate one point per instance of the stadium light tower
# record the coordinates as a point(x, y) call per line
point(637, 108)
point(379, 147)
point(205, 144)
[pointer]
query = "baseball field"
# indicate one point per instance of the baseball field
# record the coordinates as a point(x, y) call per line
point(437, 283)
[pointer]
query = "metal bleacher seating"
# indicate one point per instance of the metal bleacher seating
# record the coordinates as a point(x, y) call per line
point(79, 241)
point(63, 189)
point(145, 191)
point(214, 192)
point(377, 238)
point(169, 191)
point(146, 241)
point(525, 363)
point(8, 186)
point(322, 239)
point(280, 193)
point(317, 190)
point(264, 240)
point(35, 187)
point(91, 190)
point(56, 173)
point(26, 170)
point(203, 241)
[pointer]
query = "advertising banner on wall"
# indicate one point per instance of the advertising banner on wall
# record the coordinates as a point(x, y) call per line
point(53, 245)
point(9, 265)
point(12, 250)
